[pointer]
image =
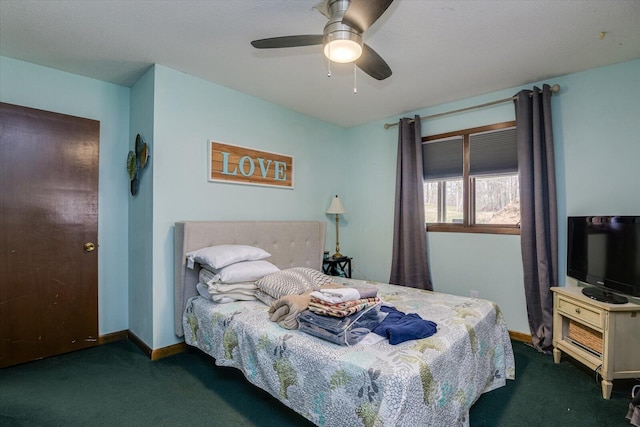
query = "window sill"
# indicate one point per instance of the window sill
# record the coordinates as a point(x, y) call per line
point(482, 229)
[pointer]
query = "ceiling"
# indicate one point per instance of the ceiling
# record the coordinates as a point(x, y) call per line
point(439, 51)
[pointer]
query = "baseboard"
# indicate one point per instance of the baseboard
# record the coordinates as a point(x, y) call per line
point(140, 344)
point(112, 337)
point(519, 336)
point(158, 353)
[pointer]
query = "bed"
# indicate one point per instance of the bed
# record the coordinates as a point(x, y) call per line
point(431, 381)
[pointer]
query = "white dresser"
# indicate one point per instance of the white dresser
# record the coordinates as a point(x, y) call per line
point(604, 337)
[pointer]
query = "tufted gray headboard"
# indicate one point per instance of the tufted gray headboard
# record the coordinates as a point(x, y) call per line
point(290, 243)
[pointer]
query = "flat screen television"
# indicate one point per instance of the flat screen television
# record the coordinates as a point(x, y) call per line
point(604, 251)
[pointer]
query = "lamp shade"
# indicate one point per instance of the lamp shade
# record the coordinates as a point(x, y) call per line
point(336, 206)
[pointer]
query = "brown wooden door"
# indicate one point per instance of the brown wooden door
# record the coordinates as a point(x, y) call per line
point(48, 212)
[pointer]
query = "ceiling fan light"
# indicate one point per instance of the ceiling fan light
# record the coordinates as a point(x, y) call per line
point(342, 50)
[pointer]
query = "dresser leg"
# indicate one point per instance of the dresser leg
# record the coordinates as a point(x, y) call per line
point(607, 386)
point(556, 355)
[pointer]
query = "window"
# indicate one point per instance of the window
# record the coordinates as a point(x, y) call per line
point(471, 180)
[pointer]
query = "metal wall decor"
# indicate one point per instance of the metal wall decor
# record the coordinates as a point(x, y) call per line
point(136, 161)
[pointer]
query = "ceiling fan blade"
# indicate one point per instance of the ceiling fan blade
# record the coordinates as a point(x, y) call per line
point(288, 41)
point(361, 14)
point(373, 64)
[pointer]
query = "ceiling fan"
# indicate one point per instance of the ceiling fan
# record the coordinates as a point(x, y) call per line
point(342, 35)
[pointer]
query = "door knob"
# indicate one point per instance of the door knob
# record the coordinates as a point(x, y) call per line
point(89, 247)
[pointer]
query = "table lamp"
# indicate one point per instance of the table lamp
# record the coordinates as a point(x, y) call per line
point(337, 209)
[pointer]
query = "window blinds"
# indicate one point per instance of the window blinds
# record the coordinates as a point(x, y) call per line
point(490, 153)
point(493, 153)
point(442, 159)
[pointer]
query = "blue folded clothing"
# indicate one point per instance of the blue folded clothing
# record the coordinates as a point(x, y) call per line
point(399, 327)
point(337, 325)
point(347, 330)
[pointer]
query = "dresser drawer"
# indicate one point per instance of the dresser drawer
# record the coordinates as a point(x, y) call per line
point(581, 313)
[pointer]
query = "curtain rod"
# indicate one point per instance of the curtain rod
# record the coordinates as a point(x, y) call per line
point(554, 89)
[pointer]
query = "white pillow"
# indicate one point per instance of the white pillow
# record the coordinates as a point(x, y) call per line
point(246, 271)
point(292, 281)
point(220, 256)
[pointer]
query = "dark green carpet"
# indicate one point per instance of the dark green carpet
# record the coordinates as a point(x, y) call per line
point(116, 384)
point(544, 393)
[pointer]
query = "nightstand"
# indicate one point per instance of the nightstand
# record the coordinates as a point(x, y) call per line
point(602, 336)
point(337, 266)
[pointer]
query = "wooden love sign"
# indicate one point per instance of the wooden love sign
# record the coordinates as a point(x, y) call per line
point(241, 165)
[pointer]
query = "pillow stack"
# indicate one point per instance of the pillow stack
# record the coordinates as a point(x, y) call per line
point(229, 272)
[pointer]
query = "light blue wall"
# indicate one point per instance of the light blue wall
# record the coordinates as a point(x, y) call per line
point(596, 130)
point(598, 126)
point(43, 88)
point(141, 213)
point(600, 140)
point(188, 113)
point(596, 119)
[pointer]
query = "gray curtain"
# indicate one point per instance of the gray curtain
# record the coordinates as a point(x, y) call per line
point(409, 265)
point(538, 210)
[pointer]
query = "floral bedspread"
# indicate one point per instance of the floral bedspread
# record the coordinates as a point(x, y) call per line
point(432, 381)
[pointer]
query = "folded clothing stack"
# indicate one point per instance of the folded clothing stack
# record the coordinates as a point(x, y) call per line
point(285, 309)
point(342, 294)
point(343, 316)
point(341, 309)
point(342, 302)
point(347, 330)
point(224, 292)
point(229, 272)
